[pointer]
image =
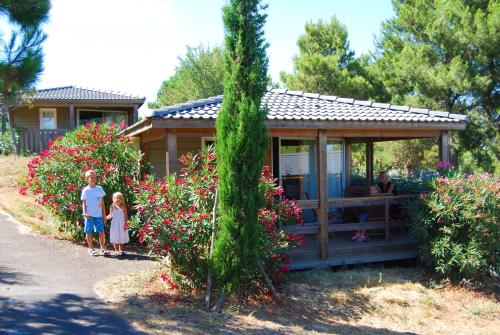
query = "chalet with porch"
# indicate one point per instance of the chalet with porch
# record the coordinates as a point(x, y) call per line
point(54, 111)
point(310, 153)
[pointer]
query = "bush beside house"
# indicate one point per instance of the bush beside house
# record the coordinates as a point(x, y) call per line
point(176, 215)
point(458, 225)
point(56, 176)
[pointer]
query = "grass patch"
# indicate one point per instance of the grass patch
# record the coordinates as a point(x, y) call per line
point(24, 208)
point(365, 300)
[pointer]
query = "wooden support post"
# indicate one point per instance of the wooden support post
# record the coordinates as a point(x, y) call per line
point(323, 194)
point(387, 219)
point(135, 114)
point(348, 163)
point(171, 155)
point(444, 148)
point(369, 162)
point(72, 116)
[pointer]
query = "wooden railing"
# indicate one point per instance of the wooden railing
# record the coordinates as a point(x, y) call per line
point(35, 140)
point(375, 200)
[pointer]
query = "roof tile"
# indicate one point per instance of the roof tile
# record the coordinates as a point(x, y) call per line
point(296, 105)
point(71, 93)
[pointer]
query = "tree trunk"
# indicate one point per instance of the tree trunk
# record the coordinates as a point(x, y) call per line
point(12, 131)
point(4, 121)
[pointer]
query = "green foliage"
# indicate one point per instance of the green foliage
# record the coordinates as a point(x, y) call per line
point(200, 74)
point(326, 64)
point(444, 55)
point(6, 146)
point(240, 144)
point(457, 225)
point(177, 220)
point(56, 176)
point(21, 60)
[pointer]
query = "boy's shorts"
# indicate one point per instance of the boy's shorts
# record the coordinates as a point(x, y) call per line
point(93, 225)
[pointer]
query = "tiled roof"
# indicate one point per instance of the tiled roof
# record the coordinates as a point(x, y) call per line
point(297, 105)
point(74, 93)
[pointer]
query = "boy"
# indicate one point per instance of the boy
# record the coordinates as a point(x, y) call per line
point(93, 212)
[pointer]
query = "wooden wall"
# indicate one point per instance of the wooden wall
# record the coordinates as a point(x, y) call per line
point(156, 152)
point(29, 118)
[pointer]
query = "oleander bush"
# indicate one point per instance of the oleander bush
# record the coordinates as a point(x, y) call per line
point(56, 175)
point(176, 214)
point(457, 224)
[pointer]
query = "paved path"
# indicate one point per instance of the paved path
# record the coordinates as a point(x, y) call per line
point(46, 285)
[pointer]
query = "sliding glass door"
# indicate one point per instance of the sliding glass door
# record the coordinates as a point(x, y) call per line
point(299, 172)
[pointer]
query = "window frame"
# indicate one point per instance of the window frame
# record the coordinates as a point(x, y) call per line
point(204, 140)
point(98, 110)
point(44, 109)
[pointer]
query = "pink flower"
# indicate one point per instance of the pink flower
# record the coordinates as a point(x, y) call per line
point(23, 190)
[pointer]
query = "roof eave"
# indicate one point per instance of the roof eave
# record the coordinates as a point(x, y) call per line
point(315, 124)
point(92, 101)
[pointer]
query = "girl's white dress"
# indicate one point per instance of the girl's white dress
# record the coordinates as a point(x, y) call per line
point(117, 234)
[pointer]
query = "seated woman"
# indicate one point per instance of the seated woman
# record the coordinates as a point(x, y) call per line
point(384, 185)
point(361, 235)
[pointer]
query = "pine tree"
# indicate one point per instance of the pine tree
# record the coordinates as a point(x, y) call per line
point(241, 143)
point(21, 60)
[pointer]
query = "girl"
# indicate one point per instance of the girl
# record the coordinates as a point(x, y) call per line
point(118, 233)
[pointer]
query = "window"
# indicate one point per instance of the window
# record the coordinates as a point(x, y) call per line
point(87, 116)
point(335, 167)
point(298, 172)
point(48, 118)
point(207, 141)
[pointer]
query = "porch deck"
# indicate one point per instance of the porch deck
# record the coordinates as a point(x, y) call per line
point(343, 251)
point(330, 244)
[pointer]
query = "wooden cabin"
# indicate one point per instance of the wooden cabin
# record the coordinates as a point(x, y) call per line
point(54, 111)
point(310, 154)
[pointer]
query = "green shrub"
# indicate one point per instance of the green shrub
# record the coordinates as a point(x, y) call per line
point(177, 221)
point(56, 176)
point(457, 225)
point(6, 146)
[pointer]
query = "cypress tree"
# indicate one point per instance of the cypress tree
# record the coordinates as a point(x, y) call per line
point(241, 143)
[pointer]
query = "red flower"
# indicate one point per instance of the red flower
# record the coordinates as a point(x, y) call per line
point(23, 190)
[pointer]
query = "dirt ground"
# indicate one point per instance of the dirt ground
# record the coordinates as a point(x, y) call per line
point(362, 300)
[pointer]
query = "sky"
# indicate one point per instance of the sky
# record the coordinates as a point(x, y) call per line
point(131, 46)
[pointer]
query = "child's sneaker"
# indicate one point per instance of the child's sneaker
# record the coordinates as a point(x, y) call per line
point(92, 252)
point(104, 252)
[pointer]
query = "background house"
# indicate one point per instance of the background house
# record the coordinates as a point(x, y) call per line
point(54, 111)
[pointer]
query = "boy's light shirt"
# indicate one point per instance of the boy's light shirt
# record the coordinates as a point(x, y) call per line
point(93, 195)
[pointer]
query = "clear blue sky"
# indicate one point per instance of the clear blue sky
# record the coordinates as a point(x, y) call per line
point(133, 45)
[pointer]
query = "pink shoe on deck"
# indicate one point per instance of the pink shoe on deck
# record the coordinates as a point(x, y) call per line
point(362, 238)
point(356, 236)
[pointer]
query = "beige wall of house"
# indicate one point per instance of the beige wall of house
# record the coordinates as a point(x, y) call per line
point(156, 152)
point(29, 117)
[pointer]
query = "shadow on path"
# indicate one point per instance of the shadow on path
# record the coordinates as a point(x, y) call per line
point(61, 314)
point(9, 276)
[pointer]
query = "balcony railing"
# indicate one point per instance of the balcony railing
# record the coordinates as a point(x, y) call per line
point(35, 140)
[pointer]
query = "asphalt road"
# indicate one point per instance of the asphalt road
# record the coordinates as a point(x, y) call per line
point(46, 285)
